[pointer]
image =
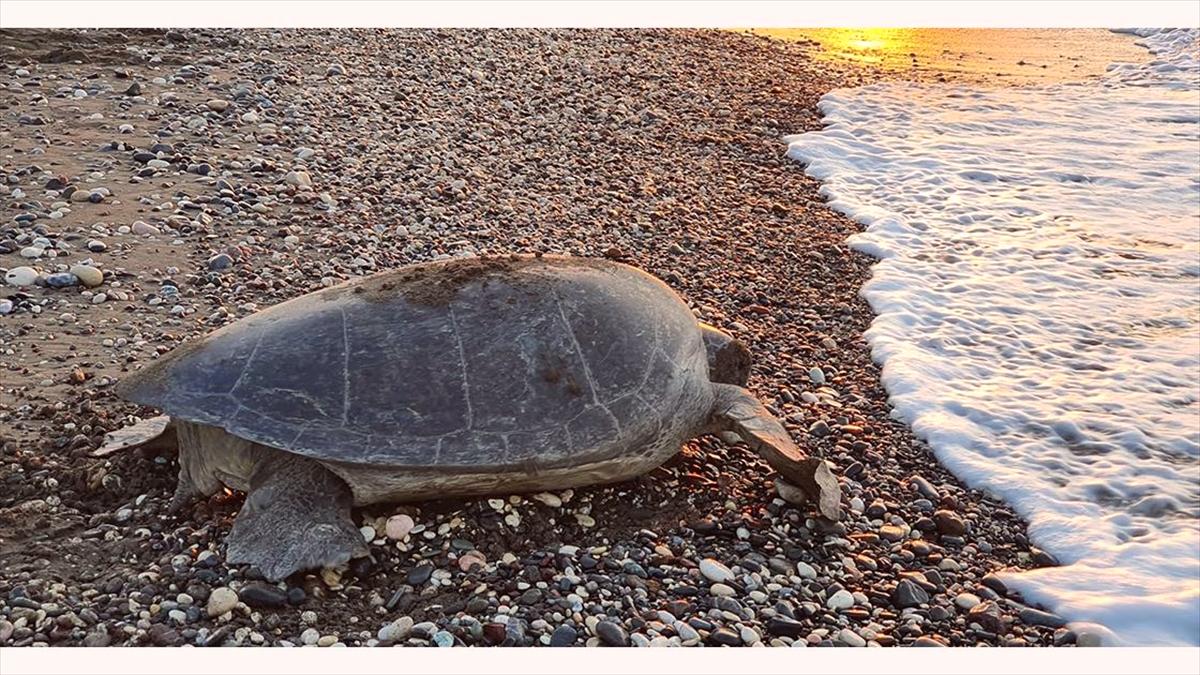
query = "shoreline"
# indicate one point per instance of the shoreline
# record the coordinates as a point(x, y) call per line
point(661, 148)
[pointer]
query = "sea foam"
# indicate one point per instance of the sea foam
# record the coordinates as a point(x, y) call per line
point(1038, 302)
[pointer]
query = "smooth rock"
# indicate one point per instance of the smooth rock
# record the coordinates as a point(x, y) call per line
point(89, 276)
point(612, 634)
point(398, 526)
point(221, 600)
point(909, 594)
point(21, 276)
point(715, 571)
point(850, 638)
point(843, 599)
point(397, 630)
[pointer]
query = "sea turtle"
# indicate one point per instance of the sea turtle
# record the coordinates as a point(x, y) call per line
point(460, 377)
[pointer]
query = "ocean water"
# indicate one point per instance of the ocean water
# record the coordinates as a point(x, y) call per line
point(1038, 302)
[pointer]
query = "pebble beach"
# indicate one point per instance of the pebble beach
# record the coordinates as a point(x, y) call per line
point(160, 184)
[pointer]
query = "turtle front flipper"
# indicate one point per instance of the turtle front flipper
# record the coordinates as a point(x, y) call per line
point(154, 433)
point(296, 517)
point(736, 410)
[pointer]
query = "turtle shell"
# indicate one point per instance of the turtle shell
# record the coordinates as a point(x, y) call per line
point(484, 362)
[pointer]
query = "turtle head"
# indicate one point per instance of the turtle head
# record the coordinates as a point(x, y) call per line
point(728, 357)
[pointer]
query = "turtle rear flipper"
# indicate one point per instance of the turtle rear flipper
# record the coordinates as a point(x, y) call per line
point(154, 432)
point(296, 517)
point(736, 410)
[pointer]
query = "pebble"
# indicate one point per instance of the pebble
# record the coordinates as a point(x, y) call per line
point(61, 280)
point(715, 571)
point(88, 275)
point(816, 375)
point(262, 595)
point(220, 601)
point(843, 599)
point(398, 526)
point(790, 493)
point(850, 638)
point(397, 630)
point(966, 600)
point(612, 634)
point(142, 228)
point(1036, 617)
point(221, 261)
point(805, 571)
point(310, 636)
point(6, 306)
point(564, 636)
point(722, 591)
point(909, 594)
point(327, 641)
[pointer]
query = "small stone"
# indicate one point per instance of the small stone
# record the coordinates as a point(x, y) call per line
point(966, 600)
point(443, 639)
point(32, 252)
point(549, 499)
point(805, 571)
point(816, 375)
point(725, 637)
point(220, 601)
point(850, 638)
point(988, 615)
point(263, 595)
point(61, 280)
point(909, 594)
point(790, 493)
point(1036, 617)
point(687, 635)
point(715, 571)
point(217, 105)
point(134, 89)
point(928, 642)
point(6, 306)
point(843, 599)
point(97, 246)
point(21, 276)
point(722, 591)
point(88, 275)
point(564, 636)
point(298, 179)
point(419, 574)
point(221, 261)
point(948, 523)
point(142, 228)
point(782, 625)
point(398, 526)
point(327, 641)
point(310, 636)
point(396, 630)
point(612, 634)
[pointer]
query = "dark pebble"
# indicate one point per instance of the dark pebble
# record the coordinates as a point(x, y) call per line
point(262, 595)
point(1036, 617)
point(611, 634)
point(725, 637)
point(782, 625)
point(909, 594)
point(420, 574)
point(564, 636)
point(296, 595)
